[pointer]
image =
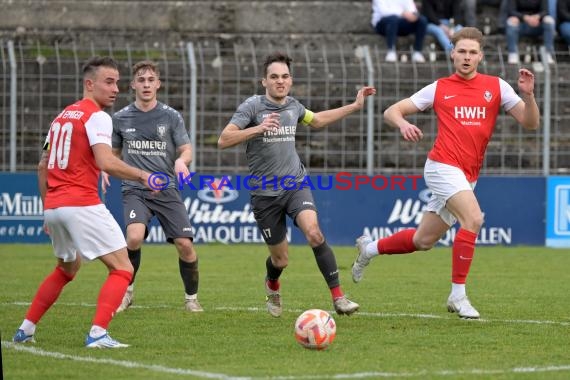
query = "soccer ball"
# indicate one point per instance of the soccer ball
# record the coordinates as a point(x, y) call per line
point(315, 329)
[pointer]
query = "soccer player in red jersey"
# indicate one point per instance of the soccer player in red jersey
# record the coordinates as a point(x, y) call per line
point(78, 147)
point(467, 104)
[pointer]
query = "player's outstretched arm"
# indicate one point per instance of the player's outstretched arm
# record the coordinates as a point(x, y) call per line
point(324, 118)
point(114, 166)
point(526, 113)
point(395, 116)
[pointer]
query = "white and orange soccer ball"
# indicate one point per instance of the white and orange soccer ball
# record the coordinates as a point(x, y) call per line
point(315, 329)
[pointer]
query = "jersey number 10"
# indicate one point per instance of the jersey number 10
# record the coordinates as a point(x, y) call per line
point(60, 145)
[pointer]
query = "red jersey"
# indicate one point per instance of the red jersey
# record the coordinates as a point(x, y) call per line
point(73, 174)
point(466, 114)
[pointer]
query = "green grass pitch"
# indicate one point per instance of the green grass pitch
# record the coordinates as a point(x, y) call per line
point(403, 329)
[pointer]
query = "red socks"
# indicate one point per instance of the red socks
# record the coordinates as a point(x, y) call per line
point(400, 242)
point(110, 296)
point(462, 252)
point(273, 284)
point(336, 292)
point(47, 294)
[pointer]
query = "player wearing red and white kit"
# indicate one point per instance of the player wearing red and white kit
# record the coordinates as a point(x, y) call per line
point(77, 147)
point(467, 105)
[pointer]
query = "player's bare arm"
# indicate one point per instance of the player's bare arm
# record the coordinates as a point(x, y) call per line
point(42, 180)
point(324, 118)
point(114, 166)
point(105, 182)
point(184, 159)
point(232, 135)
point(395, 116)
point(526, 112)
point(42, 175)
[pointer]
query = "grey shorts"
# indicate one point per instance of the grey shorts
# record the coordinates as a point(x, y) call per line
point(270, 212)
point(139, 206)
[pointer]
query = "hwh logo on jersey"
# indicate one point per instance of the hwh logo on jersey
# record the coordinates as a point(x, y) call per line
point(463, 112)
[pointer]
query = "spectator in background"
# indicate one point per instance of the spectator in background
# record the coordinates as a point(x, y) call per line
point(552, 5)
point(563, 17)
point(393, 18)
point(442, 16)
point(529, 18)
point(470, 11)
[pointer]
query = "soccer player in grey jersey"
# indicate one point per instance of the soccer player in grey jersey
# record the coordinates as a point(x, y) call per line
point(267, 124)
point(151, 135)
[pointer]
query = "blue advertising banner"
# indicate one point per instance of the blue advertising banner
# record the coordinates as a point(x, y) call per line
point(21, 209)
point(349, 206)
point(222, 215)
point(558, 212)
point(514, 211)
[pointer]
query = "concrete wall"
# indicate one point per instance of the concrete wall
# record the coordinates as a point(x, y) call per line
point(187, 17)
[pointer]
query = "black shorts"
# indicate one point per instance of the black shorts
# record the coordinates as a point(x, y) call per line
point(139, 206)
point(269, 212)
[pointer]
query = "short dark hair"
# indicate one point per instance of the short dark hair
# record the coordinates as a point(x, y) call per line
point(276, 57)
point(145, 65)
point(93, 63)
point(468, 33)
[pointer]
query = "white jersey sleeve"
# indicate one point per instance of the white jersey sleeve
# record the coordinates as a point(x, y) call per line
point(423, 99)
point(99, 128)
point(509, 98)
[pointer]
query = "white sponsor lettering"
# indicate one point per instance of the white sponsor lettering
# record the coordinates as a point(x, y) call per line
point(76, 115)
point(203, 212)
point(145, 144)
point(21, 230)
point(462, 112)
point(408, 213)
point(19, 205)
point(223, 234)
point(487, 235)
point(283, 130)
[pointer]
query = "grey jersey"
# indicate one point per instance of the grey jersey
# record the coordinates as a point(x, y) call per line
point(271, 155)
point(149, 140)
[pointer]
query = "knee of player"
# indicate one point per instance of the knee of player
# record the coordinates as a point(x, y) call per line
point(281, 262)
point(184, 245)
point(424, 243)
point(69, 270)
point(134, 242)
point(128, 268)
point(315, 237)
point(474, 222)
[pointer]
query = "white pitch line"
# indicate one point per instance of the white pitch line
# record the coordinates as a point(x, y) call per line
point(213, 375)
point(364, 313)
point(120, 363)
point(420, 316)
point(451, 373)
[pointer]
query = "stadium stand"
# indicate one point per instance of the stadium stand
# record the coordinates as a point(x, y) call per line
point(328, 40)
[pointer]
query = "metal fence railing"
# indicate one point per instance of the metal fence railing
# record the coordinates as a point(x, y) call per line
point(207, 79)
